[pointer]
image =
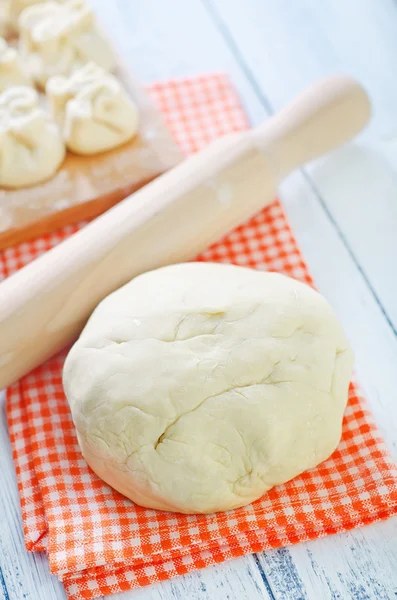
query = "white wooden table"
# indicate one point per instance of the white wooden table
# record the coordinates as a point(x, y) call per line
point(344, 214)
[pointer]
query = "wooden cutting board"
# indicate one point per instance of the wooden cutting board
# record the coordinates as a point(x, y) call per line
point(86, 186)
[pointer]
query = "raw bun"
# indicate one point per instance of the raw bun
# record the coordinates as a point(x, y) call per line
point(196, 388)
point(31, 146)
point(12, 71)
point(93, 110)
point(13, 8)
point(6, 26)
point(58, 38)
point(9, 13)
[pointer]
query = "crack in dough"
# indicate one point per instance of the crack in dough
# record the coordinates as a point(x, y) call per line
point(200, 404)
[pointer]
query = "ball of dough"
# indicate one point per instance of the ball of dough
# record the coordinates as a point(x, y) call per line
point(196, 388)
point(93, 110)
point(31, 145)
point(12, 71)
point(58, 38)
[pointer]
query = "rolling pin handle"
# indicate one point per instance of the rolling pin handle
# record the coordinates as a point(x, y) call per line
point(327, 114)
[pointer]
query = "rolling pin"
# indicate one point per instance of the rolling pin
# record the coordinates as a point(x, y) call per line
point(45, 305)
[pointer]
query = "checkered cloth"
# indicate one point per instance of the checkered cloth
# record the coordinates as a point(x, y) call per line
point(97, 541)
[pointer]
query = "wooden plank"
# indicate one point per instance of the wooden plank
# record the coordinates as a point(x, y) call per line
point(364, 567)
point(158, 46)
point(362, 199)
point(285, 46)
point(239, 579)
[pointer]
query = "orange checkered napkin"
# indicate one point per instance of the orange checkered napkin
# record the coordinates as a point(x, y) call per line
point(97, 541)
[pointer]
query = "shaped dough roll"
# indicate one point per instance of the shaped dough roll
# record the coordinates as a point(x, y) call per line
point(31, 146)
point(93, 110)
point(11, 68)
point(5, 18)
point(13, 8)
point(58, 38)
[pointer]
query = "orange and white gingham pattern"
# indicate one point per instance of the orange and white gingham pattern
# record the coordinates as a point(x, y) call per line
point(100, 543)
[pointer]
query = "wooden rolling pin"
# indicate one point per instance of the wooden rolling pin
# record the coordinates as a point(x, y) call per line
point(45, 305)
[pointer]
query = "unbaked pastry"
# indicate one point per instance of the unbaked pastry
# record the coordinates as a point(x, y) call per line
point(93, 110)
point(13, 8)
point(11, 68)
point(58, 38)
point(31, 146)
point(5, 19)
point(198, 387)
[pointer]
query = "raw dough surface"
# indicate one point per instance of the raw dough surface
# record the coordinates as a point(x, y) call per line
point(12, 71)
point(58, 38)
point(93, 110)
point(13, 8)
point(31, 146)
point(9, 13)
point(197, 387)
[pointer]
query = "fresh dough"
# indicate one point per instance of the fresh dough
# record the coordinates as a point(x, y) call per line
point(13, 8)
point(31, 146)
point(58, 38)
point(93, 110)
point(5, 19)
point(198, 387)
point(11, 69)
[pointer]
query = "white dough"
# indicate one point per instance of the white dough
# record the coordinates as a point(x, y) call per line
point(58, 38)
point(11, 69)
point(198, 387)
point(13, 8)
point(93, 110)
point(5, 18)
point(31, 145)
